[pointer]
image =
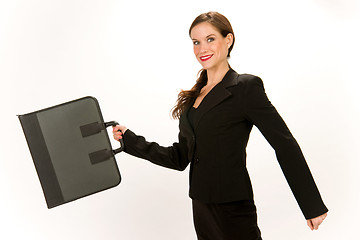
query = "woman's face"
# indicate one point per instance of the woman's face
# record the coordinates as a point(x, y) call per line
point(210, 47)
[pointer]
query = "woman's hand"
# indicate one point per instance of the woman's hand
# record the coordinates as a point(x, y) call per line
point(315, 222)
point(118, 131)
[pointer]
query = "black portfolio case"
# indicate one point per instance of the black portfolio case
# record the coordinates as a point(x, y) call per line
point(71, 150)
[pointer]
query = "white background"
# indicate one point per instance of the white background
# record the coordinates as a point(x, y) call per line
point(134, 57)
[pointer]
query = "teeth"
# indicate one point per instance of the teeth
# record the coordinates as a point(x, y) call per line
point(206, 57)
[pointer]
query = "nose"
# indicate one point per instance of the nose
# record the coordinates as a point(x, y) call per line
point(203, 49)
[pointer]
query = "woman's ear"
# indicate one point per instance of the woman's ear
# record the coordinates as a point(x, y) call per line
point(229, 39)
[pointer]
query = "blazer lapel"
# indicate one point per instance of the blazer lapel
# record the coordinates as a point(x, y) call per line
point(218, 94)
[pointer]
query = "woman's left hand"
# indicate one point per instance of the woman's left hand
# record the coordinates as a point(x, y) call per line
point(119, 131)
point(315, 222)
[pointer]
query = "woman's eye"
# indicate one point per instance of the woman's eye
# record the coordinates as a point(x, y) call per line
point(196, 42)
point(210, 39)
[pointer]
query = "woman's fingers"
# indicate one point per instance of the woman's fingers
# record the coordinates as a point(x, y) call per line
point(118, 136)
point(116, 128)
point(314, 223)
point(117, 133)
point(310, 224)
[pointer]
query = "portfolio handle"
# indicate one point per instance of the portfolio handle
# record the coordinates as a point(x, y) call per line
point(122, 146)
point(95, 128)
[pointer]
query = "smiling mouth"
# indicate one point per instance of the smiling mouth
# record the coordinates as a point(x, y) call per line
point(205, 58)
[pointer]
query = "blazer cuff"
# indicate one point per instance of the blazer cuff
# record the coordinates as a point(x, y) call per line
point(129, 138)
point(315, 213)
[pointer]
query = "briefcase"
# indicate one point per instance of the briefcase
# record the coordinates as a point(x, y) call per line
point(71, 150)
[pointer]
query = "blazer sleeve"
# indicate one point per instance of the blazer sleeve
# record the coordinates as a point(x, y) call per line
point(174, 157)
point(264, 116)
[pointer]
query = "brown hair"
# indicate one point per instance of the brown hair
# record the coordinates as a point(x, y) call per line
point(222, 24)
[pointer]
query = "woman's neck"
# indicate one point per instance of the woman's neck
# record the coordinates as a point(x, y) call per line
point(214, 76)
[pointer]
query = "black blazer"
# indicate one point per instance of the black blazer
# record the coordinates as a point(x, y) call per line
point(215, 148)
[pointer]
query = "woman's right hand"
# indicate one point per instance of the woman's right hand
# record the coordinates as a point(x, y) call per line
point(315, 222)
point(118, 132)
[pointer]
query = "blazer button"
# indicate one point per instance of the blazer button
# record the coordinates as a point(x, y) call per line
point(196, 160)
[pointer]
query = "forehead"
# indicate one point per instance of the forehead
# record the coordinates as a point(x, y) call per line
point(202, 30)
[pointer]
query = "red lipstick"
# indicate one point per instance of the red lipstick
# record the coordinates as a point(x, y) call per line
point(205, 58)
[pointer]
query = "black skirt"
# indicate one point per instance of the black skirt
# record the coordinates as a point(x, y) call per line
point(226, 221)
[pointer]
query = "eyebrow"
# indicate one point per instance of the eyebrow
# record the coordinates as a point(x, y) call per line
point(206, 36)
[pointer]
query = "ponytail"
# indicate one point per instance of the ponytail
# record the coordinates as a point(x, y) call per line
point(185, 97)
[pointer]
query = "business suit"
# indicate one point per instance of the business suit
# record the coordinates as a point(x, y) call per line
point(215, 146)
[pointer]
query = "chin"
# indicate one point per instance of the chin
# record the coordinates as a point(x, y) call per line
point(206, 66)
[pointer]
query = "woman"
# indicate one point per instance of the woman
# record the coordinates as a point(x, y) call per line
point(215, 120)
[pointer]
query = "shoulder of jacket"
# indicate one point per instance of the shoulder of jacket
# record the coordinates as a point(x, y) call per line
point(247, 79)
